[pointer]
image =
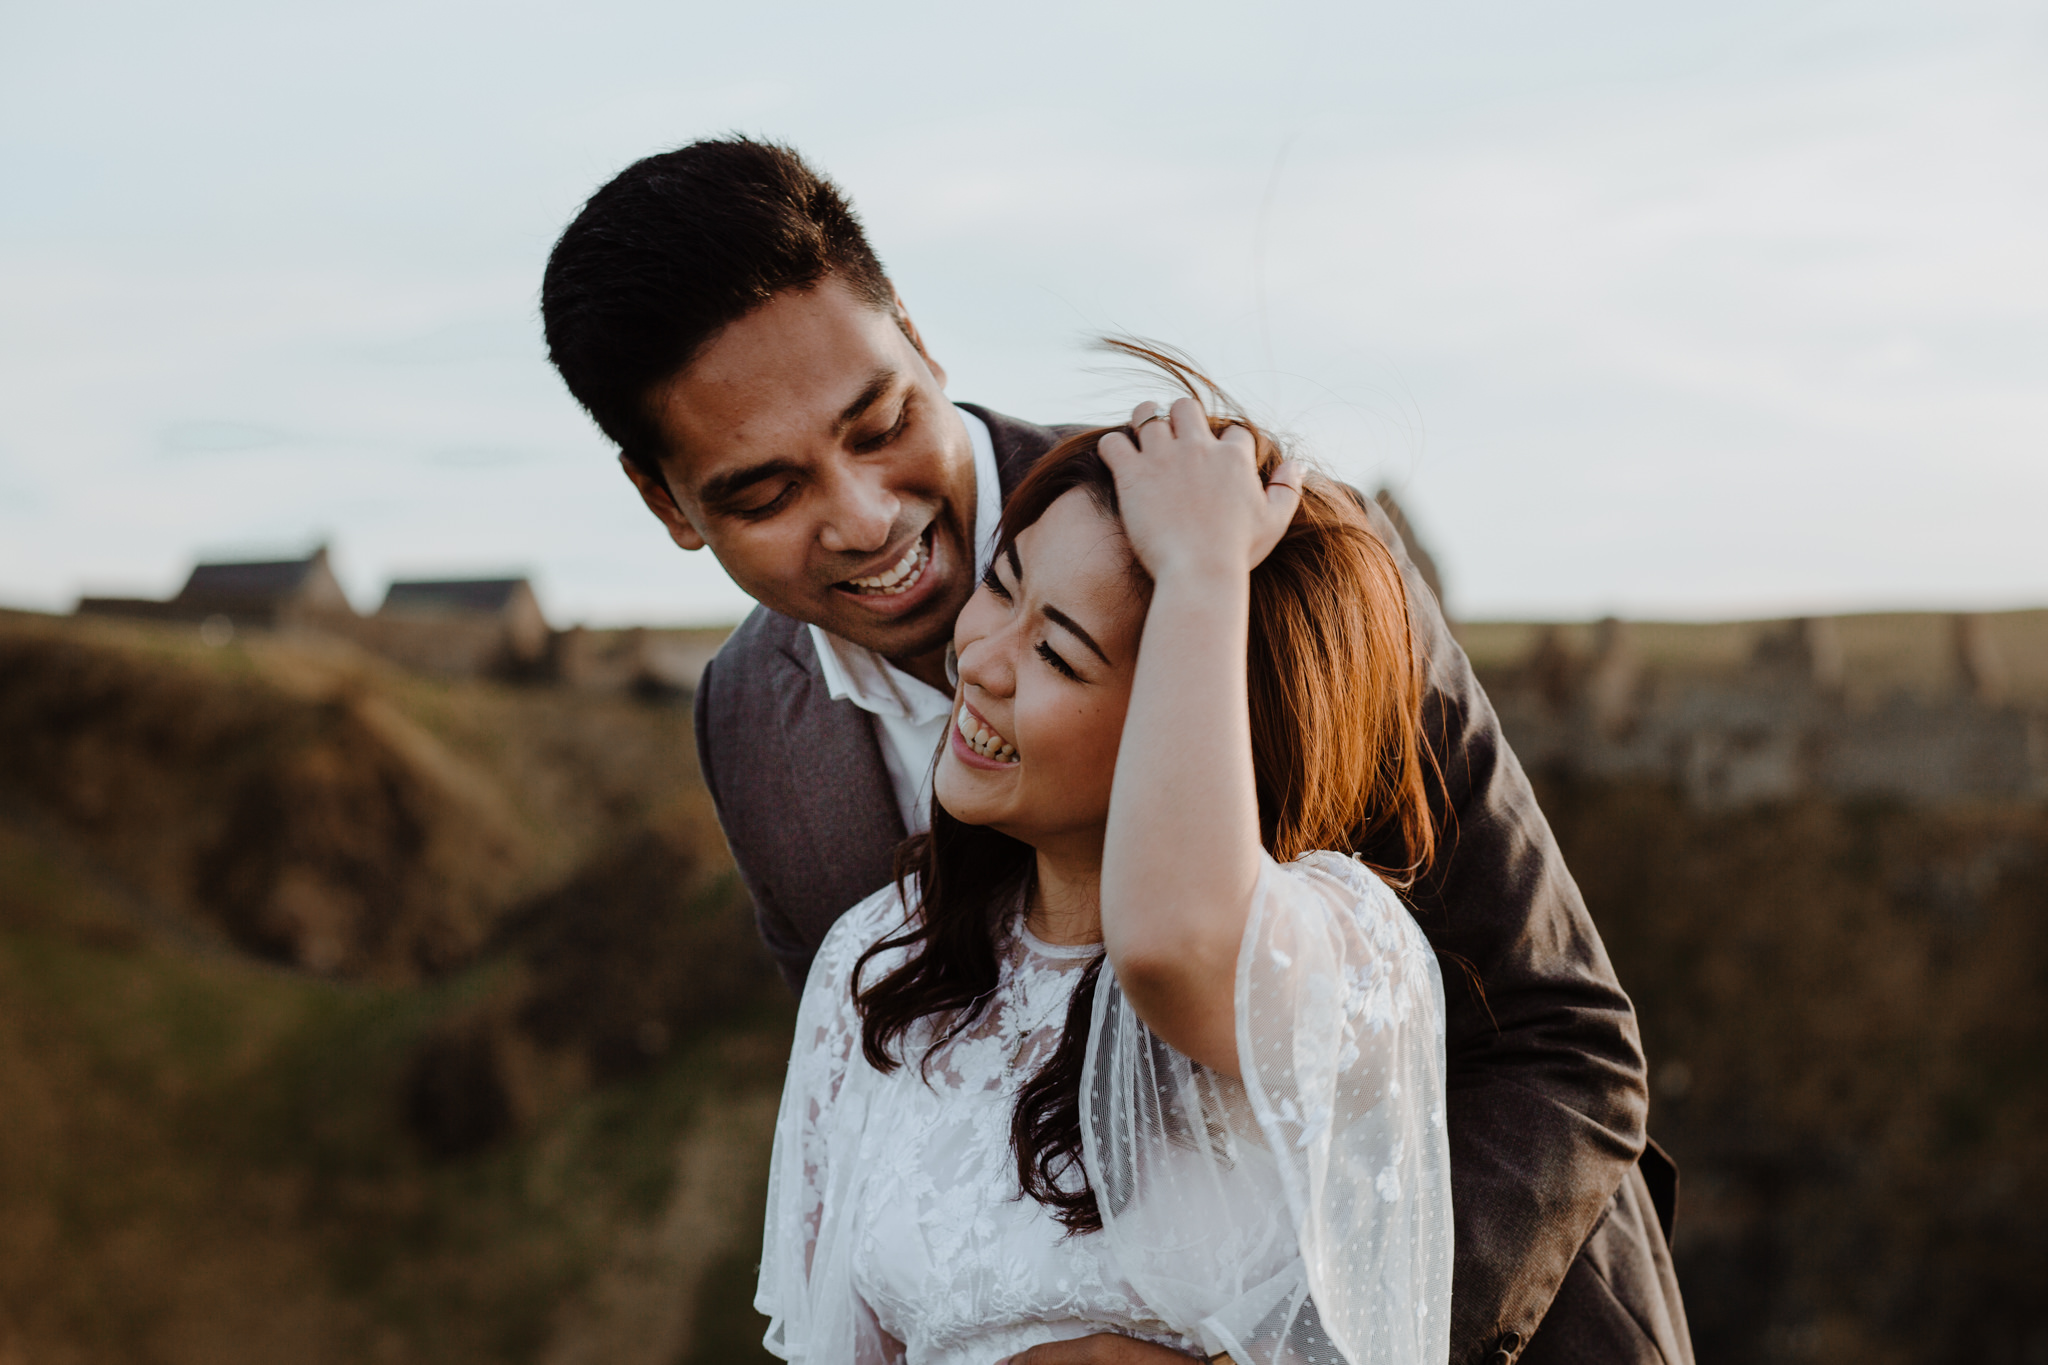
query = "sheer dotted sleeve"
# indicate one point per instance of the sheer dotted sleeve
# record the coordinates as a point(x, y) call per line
point(806, 1288)
point(1302, 1214)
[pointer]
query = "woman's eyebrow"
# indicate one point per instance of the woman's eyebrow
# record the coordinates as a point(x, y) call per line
point(1073, 627)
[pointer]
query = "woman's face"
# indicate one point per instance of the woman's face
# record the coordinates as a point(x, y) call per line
point(1047, 647)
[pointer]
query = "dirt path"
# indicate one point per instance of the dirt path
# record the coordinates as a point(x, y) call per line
point(641, 1306)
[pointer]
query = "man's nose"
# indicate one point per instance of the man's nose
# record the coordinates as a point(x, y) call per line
point(860, 514)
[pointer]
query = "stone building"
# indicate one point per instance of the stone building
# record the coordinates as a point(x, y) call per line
point(465, 627)
point(270, 594)
point(510, 602)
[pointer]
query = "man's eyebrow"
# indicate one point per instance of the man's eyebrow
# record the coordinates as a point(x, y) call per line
point(1060, 618)
point(720, 488)
point(878, 384)
point(1016, 564)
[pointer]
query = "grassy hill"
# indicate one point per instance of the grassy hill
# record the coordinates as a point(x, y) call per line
point(350, 1016)
point(347, 1015)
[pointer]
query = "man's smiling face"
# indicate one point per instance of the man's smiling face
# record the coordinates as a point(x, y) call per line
point(811, 446)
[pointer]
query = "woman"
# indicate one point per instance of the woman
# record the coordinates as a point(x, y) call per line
point(1125, 1066)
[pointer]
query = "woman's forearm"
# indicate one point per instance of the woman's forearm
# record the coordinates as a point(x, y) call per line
point(1180, 855)
point(1181, 852)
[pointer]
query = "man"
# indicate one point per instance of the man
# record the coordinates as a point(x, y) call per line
point(718, 311)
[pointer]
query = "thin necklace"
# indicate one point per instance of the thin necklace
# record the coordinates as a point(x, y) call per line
point(1024, 1031)
point(1061, 1000)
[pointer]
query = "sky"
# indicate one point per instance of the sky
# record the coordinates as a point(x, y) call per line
point(1657, 311)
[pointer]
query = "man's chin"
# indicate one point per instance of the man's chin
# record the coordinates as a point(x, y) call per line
point(897, 641)
point(925, 630)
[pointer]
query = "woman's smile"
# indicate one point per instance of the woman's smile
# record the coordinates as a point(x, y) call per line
point(980, 744)
point(1034, 646)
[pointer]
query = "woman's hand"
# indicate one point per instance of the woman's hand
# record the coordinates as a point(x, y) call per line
point(1104, 1348)
point(1192, 502)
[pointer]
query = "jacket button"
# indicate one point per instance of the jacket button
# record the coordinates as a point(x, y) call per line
point(1505, 1348)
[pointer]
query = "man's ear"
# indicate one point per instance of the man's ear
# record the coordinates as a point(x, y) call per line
point(910, 330)
point(663, 504)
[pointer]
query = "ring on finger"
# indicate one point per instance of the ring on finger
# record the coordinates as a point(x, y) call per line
point(1160, 416)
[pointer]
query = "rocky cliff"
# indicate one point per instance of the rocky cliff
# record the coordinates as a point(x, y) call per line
point(1818, 852)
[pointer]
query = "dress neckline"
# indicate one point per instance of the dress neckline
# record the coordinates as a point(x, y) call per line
point(1065, 951)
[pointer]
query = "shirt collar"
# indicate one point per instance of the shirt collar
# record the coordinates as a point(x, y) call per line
point(857, 674)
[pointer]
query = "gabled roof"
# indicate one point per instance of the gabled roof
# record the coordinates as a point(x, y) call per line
point(261, 581)
point(485, 596)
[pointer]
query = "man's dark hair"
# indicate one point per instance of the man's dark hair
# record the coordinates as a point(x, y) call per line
point(671, 250)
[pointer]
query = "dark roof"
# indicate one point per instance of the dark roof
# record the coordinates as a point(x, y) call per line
point(487, 596)
point(264, 580)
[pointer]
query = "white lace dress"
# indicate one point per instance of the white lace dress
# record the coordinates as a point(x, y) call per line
point(1302, 1215)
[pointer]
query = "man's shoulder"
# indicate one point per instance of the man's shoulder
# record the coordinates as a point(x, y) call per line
point(766, 642)
point(1019, 444)
point(764, 639)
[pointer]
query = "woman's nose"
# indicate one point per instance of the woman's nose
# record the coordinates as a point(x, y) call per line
point(988, 662)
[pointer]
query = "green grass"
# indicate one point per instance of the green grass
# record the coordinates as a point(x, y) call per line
point(192, 1117)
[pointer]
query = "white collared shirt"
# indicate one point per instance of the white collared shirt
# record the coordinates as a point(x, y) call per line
point(910, 716)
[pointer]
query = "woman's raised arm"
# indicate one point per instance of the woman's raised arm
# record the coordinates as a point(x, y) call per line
point(1181, 855)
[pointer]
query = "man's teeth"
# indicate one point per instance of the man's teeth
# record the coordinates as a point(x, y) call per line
point(899, 575)
point(985, 741)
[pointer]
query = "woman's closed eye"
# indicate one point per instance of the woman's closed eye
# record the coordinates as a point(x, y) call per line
point(1059, 665)
point(993, 581)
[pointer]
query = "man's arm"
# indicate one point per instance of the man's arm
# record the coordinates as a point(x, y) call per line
point(1547, 1096)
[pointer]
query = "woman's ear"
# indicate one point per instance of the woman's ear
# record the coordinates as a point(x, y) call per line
point(661, 502)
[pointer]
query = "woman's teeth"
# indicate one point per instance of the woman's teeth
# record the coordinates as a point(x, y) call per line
point(985, 741)
point(898, 576)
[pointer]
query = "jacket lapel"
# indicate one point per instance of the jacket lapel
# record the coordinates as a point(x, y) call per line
point(1018, 445)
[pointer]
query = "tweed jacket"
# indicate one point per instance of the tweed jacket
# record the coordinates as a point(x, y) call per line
point(1558, 1223)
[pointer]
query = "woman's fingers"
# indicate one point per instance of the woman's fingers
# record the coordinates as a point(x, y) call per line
point(1150, 414)
point(1155, 424)
point(1153, 428)
point(1283, 499)
point(1283, 489)
point(1239, 438)
point(1191, 497)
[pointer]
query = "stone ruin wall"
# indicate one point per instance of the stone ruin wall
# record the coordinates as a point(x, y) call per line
point(1922, 708)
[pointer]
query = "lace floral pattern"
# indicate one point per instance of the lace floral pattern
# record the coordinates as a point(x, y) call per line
point(1301, 1215)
